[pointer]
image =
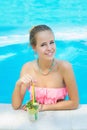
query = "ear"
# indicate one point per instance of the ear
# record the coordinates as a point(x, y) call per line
point(34, 48)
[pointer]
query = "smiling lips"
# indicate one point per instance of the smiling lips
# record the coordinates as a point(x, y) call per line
point(49, 54)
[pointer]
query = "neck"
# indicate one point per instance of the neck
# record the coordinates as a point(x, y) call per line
point(45, 67)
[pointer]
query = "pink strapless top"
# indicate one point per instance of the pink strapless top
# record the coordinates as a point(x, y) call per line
point(48, 95)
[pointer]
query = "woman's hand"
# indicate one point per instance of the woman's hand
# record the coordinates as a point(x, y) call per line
point(39, 109)
point(24, 108)
point(25, 81)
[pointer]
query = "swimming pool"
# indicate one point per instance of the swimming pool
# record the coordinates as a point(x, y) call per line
point(12, 58)
point(68, 19)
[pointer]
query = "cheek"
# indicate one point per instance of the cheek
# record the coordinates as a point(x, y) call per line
point(40, 51)
point(54, 47)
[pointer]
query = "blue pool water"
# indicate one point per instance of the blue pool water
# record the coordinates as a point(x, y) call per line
point(12, 58)
point(68, 19)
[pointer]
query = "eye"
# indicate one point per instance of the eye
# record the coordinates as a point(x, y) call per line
point(52, 42)
point(43, 44)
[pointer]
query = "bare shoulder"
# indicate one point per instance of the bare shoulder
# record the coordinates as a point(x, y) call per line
point(27, 68)
point(64, 65)
point(27, 65)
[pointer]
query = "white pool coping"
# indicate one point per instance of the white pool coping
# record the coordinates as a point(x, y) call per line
point(50, 120)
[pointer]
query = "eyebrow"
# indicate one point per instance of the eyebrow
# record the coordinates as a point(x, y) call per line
point(46, 42)
point(43, 42)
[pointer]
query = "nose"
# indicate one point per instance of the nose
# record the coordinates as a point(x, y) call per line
point(48, 47)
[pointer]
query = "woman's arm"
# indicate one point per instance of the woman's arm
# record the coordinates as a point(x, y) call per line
point(71, 86)
point(20, 88)
point(18, 95)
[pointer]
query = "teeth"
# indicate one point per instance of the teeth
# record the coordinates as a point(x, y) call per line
point(49, 53)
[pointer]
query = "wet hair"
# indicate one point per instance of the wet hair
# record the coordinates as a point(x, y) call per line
point(35, 30)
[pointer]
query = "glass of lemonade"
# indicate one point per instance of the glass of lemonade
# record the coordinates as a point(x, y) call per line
point(32, 109)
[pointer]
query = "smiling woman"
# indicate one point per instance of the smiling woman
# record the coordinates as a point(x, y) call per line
point(52, 78)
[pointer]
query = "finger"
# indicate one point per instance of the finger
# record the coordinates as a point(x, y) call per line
point(26, 79)
point(24, 108)
point(28, 76)
point(18, 82)
point(35, 83)
point(40, 107)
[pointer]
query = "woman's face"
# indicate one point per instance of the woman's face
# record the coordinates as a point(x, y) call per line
point(45, 45)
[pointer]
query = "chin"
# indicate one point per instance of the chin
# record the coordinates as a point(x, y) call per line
point(50, 58)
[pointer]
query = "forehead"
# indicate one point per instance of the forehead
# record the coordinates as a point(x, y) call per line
point(44, 35)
